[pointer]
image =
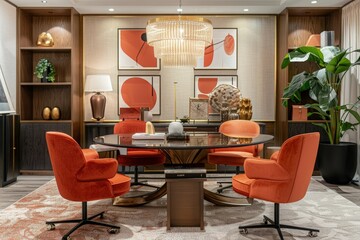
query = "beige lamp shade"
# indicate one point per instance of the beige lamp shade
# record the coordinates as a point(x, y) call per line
point(97, 84)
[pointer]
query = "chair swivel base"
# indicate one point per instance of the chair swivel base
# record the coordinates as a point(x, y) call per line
point(84, 220)
point(221, 187)
point(276, 224)
point(137, 183)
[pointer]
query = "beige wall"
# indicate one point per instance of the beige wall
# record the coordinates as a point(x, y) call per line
point(256, 63)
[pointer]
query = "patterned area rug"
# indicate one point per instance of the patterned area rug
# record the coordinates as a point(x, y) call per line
point(322, 208)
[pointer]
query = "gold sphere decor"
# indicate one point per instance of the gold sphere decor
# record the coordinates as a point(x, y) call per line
point(55, 113)
point(45, 40)
point(46, 113)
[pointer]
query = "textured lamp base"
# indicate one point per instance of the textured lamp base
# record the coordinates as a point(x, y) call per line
point(98, 102)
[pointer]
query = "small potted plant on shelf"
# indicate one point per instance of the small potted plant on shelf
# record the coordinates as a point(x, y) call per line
point(45, 70)
point(337, 160)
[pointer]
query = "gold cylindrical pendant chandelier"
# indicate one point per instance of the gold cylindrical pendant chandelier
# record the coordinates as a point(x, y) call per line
point(179, 40)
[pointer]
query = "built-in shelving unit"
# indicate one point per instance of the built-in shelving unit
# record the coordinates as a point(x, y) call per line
point(33, 95)
point(295, 25)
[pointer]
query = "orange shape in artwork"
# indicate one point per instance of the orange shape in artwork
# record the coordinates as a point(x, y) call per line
point(207, 84)
point(203, 96)
point(208, 55)
point(131, 43)
point(229, 44)
point(137, 92)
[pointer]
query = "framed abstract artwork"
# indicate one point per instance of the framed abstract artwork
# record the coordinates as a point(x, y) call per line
point(204, 85)
point(222, 53)
point(134, 52)
point(139, 91)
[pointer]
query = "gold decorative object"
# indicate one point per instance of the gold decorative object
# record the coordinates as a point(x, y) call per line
point(55, 113)
point(46, 113)
point(245, 109)
point(45, 40)
point(179, 40)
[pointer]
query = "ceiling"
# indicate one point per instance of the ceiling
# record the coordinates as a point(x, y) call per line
point(170, 6)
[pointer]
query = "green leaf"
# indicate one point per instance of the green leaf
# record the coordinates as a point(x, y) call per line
point(323, 125)
point(339, 63)
point(285, 61)
point(355, 114)
point(304, 54)
point(298, 83)
point(329, 52)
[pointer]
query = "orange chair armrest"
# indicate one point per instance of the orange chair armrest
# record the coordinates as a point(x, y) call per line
point(98, 169)
point(275, 155)
point(265, 169)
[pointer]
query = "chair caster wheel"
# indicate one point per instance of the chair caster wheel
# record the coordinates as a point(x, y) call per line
point(50, 226)
point(113, 230)
point(243, 231)
point(219, 191)
point(101, 216)
point(312, 234)
point(265, 221)
point(66, 238)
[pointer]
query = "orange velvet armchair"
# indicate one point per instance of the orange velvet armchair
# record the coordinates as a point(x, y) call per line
point(283, 179)
point(137, 156)
point(81, 176)
point(236, 156)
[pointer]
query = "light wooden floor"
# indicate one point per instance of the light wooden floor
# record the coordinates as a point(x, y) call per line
point(28, 183)
point(23, 186)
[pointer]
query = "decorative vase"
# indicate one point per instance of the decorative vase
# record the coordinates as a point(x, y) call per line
point(46, 113)
point(224, 112)
point(55, 113)
point(337, 162)
point(233, 115)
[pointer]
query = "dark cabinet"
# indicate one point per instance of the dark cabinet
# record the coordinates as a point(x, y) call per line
point(34, 153)
point(296, 128)
point(9, 148)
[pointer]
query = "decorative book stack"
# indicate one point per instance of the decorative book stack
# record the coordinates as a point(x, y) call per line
point(185, 171)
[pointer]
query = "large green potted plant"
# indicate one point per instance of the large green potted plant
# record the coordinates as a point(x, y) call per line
point(337, 160)
point(45, 70)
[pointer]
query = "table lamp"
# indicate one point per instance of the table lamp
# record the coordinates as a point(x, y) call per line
point(98, 84)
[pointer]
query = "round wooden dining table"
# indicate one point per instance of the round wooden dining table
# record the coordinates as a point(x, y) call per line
point(181, 151)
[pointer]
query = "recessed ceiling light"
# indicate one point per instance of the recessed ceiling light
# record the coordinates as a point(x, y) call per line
point(313, 2)
point(111, 9)
point(44, 1)
point(246, 9)
point(179, 10)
